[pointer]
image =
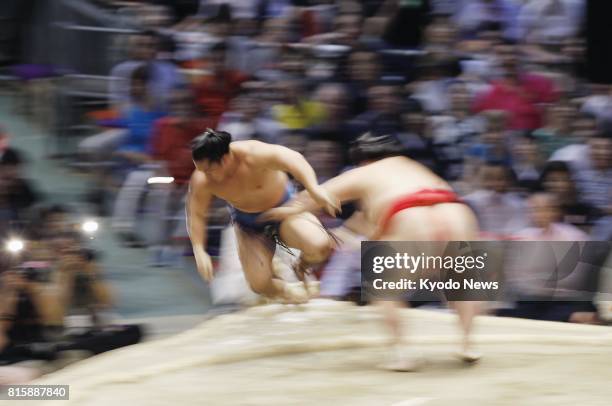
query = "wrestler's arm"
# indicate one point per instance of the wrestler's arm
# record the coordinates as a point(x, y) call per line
point(345, 187)
point(287, 160)
point(198, 202)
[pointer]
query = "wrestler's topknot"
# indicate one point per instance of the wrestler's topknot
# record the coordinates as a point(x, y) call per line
point(211, 145)
point(370, 146)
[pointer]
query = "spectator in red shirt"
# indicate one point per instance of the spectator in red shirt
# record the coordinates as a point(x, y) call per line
point(215, 90)
point(171, 156)
point(518, 93)
point(173, 134)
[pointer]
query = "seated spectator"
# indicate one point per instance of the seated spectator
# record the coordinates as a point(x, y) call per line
point(539, 296)
point(431, 88)
point(141, 50)
point(500, 212)
point(493, 142)
point(172, 135)
point(244, 120)
point(415, 138)
point(595, 183)
point(164, 74)
point(347, 31)
point(478, 64)
point(383, 114)
point(545, 24)
point(480, 14)
point(455, 131)
point(509, 93)
point(139, 120)
point(556, 132)
point(583, 128)
point(557, 180)
point(526, 162)
point(441, 36)
point(292, 65)
point(546, 218)
point(266, 49)
point(169, 155)
point(325, 157)
point(334, 126)
point(363, 71)
point(215, 90)
point(599, 103)
point(296, 111)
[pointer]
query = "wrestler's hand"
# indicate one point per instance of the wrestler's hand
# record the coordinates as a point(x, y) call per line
point(325, 200)
point(204, 264)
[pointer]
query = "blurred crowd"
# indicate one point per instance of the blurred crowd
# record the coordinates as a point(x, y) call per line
point(492, 95)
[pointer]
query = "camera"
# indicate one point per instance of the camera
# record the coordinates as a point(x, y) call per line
point(35, 271)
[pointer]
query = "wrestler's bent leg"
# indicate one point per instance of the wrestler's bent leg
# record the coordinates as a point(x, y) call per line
point(256, 255)
point(305, 233)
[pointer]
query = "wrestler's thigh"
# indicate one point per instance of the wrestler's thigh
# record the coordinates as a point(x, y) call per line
point(255, 254)
point(458, 220)
point(304, 232)
point(414, 224)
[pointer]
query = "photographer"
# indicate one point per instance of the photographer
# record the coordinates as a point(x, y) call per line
point(78, 278)
point(81, 287)
point(23, 315)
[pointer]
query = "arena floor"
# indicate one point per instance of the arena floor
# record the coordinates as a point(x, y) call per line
point(328, 352)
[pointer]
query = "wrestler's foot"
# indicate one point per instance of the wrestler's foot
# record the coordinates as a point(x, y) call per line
point(469, 356)
point(313, 288)
point(301, 269)
point(404, 365)
point(294, 294)
point(399, 361)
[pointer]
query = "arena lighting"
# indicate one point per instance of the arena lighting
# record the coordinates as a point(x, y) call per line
point(15, 245)
point(160, 179)
point(90, 226)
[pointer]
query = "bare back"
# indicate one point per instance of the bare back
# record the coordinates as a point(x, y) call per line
point(379, 184)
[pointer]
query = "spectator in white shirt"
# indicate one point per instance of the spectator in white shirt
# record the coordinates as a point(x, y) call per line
point(501, 213)
point(584, 127)
point(546, 217)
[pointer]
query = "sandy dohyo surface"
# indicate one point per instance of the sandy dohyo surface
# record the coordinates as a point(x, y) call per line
point(326, 353)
